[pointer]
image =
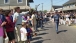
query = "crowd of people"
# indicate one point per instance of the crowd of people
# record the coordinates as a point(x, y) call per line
point(20, 26)
point(66, 18)
point(59, 18)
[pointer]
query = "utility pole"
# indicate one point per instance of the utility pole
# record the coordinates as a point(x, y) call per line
point(26, 2)
point(51, 4)
point(36, 6)
point(42, 6)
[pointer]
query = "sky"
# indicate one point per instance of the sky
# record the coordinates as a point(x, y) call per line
point(46, 4)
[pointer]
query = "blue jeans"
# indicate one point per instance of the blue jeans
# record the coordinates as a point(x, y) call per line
point(57, 23)
point(45, 20)
point(41, 24)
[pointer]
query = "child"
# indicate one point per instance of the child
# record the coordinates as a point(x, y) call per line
point(23, 32)
point(29, 31)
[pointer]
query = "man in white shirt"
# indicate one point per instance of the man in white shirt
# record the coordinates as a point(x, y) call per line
point(17, 18)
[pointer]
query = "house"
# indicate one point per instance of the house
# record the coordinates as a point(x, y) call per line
point(56, 7)
point(69, 5)
point(10, 4)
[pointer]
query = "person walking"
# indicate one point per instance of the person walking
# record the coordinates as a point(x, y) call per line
point(56, 20)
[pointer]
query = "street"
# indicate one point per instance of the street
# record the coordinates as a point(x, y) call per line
point(20, 19)
point(48, 34)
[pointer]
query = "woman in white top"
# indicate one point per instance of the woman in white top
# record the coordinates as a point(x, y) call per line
point(67, 19)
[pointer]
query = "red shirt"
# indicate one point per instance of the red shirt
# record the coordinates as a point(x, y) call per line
point(9, 25)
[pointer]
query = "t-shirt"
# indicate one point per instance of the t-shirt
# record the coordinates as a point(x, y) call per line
point(33, 19)
point(18, 17)
point(29, 31)
point(56, 18)
point(23, 32)
point(9, 25)
point(45, 16)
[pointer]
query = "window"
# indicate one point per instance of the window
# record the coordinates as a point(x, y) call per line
point(19, 1)
point(6, 1)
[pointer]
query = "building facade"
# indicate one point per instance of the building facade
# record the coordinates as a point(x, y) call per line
point(70, 5)
point(10, 4)
point(56, 8)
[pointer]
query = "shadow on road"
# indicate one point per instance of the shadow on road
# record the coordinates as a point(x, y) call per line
point(62, 31)
point(42, 34)
point(48, 27)
point(43, 29)
point(40, 41)
point(36, 38)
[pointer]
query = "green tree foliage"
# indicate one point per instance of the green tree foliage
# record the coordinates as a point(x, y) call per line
point(45, 11)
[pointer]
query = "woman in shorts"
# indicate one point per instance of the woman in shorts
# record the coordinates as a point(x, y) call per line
point(9, 27)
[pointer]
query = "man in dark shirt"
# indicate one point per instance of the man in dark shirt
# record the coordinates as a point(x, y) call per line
point(56, 20)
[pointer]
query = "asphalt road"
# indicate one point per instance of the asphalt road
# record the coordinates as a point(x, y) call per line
point(48, 34)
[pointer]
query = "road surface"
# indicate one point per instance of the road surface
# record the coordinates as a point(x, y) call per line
point(48, 34)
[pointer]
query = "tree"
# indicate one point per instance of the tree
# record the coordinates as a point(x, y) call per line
point(31, 10)
point(45, 11)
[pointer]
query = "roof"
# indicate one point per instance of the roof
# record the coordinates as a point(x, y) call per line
point(55, 7)
point(70, 2)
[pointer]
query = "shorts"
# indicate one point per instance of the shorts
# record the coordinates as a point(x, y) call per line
point(11, 35)
point(29, 37)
